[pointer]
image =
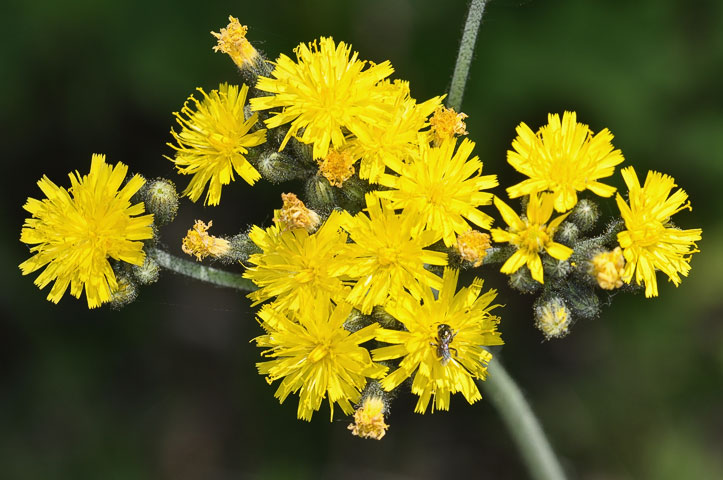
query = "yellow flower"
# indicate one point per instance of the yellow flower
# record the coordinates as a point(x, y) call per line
point(199, 243)
point(75, 231)
point(441, 366)
point(472, 246)
point(530, 235)
point(444, 186)
point(563, 157)
point(553, 318)
point(387, 256)
point(608, 269)
point(232, 41)
point(323, 93)
point(446, 124)
point(394, 136)
point(317, 357)
point(651, 242)
point(295, 265)
point(294, 214)
point(369, 419)
point(213, 141)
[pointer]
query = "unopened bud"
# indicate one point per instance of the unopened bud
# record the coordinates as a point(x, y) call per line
point(582, 300)
point(557, 269)
point(161, 199)
point(146, 273)
point(125, 293)
point(241, 248)
point(278, 167)
point(585, 214)
point(567, 233)
point(320, 193)
point(522, 281)
point(552, 317)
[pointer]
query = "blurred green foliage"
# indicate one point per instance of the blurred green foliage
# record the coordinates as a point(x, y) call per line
point(167, 388)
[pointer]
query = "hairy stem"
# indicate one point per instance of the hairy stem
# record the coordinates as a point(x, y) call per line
point(201, 272)
point(526, 431)
point(465, 54)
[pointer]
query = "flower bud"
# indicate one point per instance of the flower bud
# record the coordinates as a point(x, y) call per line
point(557, 269)
point(278, 167)
point(522, 281)
point(567, 233)
point(552, 317)
point(585, 214)
point(161, 199)
point(241, 248)
point(125, 293)
point(320, 193)
point(582, 300)
point(147, 273)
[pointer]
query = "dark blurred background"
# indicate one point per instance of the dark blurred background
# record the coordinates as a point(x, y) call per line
point(167, 388)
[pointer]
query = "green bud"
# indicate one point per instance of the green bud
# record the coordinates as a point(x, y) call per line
point(552, 317)
point(557, 269)
point(356, 321)
point(278, 167)
point(241, 249)
point(522, 281)
point(320, 194)
point(126, 292)
point(567, 233)
point(582, 300)
point(585, 215)
point(147, 273)
point(350, 196)
point(161, 199)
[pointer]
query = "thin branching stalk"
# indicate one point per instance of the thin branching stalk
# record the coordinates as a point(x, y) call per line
point(505, 395)
point(201, 272)
point(466, 52)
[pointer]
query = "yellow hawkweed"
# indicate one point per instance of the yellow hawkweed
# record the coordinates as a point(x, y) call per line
point(608, 268)
point(369, 419)
point(441, 366)
point(472, 246)
point(444, 186)
point(387, 256)
point(651, 242)
point(531, 235)
point(315, 356)
point(563, 157)
point(323, 93)
point(199, 243)
point(394, 136)
point(232, 41)
point(74, 232)
point(446, 124)
point(213, 140)
point(294, 214)
point(553, 318)
point(295, 265)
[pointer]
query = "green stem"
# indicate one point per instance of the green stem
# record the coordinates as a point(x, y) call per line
point(526, 431)
point(201, 272)
point(466, 52)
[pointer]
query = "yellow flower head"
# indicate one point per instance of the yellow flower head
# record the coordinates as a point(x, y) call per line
point(446, 124)
point(563, 157)
point(387, 256)
point(232, 41)
point(442, 342)
point(323, 93)
point(199, 243)
point(472, 246)
point(531, 235)
point(651, 242)
point(443, 186)
point(369, 419)
point(393, 136)
point(213, 140)
point(295, 265)
point(74, 232)
point(608, 268)
point(337, 166)
point(316, 356)
point(294, 214)
point(553, 318)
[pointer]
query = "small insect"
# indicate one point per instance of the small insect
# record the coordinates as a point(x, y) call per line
point(445, 335)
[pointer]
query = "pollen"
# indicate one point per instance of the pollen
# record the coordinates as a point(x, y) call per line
point(232, 41)
point(294, 214)
point(472, 246)
point(337, 167)
point(446, 124)
point(608, 268)
point(369, 419)
point(199, 243)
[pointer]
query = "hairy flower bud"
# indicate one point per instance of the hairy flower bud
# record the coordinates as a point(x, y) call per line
point(126, 292)
point(552, 317)
point(146, 273)
point(585, 214)
point(161, 199)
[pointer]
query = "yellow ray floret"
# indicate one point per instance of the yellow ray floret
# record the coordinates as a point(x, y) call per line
point(388, 255)
point(564, 157)
point(214, 138)
point(531, 235)
point(314, 355)
point(651, 242)
point(441, 369)
point(75, 231)
point(326, 91)
point(295, 265)
point(444, 186)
